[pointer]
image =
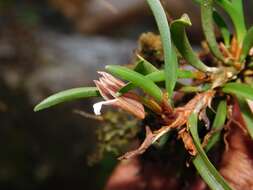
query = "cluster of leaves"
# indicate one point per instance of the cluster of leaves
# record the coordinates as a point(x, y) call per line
point(227, 78)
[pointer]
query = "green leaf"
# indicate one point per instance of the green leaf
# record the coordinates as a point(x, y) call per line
point(239, 89)
point(186, 74)
point(129, 86)
point(157, 76)
point(137, 79)
point(247, 44)
point(183, 45)
point(208, 28)
point(218, 124)
point(170, 57)
point(67, 95)
point(205, 168)
point(205, 173)
point(246, 114)
point(200, 88)
point(235, 10)
point(250, 65)
point(144, 67)
point(222, 27)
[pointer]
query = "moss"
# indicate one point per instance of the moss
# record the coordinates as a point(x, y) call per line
point(150, 47)
point(115, 134)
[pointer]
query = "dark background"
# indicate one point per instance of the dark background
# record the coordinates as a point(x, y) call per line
point(49, 46)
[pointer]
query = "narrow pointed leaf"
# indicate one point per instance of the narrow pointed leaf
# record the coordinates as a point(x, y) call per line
point(137, 79)
point(158, 76)
point(200, 88)
point(247, 44)
point(67, 95)
point(186, 74)
point(144, 67)
point(218, 124)
point(239, 89)
point(205, 168)
point(170, 57)
point(223, 27)
point(235, 10)
point(208, 28)
point(183, 45)
point(246, 114)
point(205, 173)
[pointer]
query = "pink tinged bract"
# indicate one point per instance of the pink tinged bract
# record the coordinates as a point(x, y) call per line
point(250, 103)
point(108, 86)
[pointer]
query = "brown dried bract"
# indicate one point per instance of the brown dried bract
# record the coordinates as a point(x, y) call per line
point(233, 53)
point(180, 116)
point(108, 87)
point(188, 142)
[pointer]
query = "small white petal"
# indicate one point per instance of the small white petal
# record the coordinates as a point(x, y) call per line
point(98, 106)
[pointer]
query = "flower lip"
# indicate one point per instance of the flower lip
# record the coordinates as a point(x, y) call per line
point(98, 106)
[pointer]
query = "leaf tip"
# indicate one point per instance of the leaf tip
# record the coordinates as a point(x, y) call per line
point(37, 108)
point(186, 19)
point(108, 67)
point(41, 106)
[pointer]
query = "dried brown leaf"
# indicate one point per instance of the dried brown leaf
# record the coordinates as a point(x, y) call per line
point(188, 142)
point(180, 117)
point(147, 142)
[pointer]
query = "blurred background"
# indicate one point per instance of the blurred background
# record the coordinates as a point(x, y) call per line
point(51, 45)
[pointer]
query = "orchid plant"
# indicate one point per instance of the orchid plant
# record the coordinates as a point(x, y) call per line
point(222, 85)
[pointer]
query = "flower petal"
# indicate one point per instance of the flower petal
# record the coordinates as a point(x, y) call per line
point(111, 78)
point(108, 86)
point(250, 103)
point(132, 106)
point(98, 106)
point(102, 90)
